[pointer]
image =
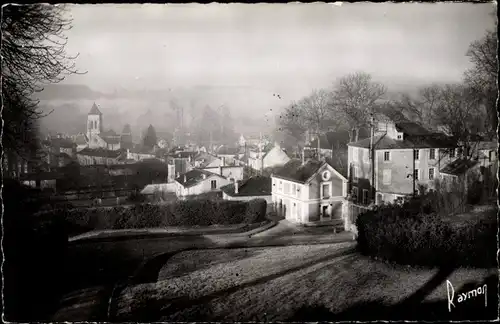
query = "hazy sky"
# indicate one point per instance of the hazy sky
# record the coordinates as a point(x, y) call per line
point(286, 48)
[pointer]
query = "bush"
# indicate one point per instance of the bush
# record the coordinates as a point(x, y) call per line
point(256, 211)
point(180, 213)
point(34, 250)
point(413, 233)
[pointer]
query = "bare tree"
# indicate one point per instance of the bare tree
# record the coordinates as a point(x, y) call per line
point(33, 54)
point(459, 112)
point(482, 77)
point(317, 111)
point(292, 122)
point(422, 108)
point(354, 96)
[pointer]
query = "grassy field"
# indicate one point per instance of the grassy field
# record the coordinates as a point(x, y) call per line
point(317, 282)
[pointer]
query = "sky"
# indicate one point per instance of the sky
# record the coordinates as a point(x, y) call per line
point(289, 49)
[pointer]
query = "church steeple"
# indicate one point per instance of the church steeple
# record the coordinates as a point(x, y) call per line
point(94, 122)
point(95, 110)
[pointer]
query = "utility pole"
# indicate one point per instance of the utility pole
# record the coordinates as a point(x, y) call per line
point(372, 157)
point(413, 174)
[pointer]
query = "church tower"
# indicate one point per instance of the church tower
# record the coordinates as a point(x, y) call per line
point(94, 122)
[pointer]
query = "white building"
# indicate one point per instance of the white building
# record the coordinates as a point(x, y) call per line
point(272, 158)
point(310, 192)
point(196, 182)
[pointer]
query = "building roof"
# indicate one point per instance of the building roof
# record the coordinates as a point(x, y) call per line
point(332, 140)
point(184, 155)
point(294, 170)
point(81, 139)
point(339, 163)
point(194, 177)
point(255, 186)
point(384, 142)
point(111, 139)
point(62, 142)
point(224, 150)
point(108, 132)
point(94, 110)
point(205, 159)
point(459, 167)
point(100, 152)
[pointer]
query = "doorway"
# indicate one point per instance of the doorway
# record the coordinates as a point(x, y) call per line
point(325, 214)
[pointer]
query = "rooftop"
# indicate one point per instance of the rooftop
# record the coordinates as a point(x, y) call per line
point(193, 177)
point(295, 171)
point(384, 142)
point(94, 110)
point(255, 186)
point(100, 152)
point(458, 167)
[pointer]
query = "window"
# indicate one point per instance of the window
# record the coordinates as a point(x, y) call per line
point(452, 153)
point(287, 188)
point(365, 197)
point(281, 186)
point(380, 198)
point(431, 173)
point(416, 154)
point(387, 177)
point(213, 184)
point(294, 188)
point(325, 190)
point(355, 173)
point(355, 193)
point(432, 154)
point(366, 155)
point(298, 191)
point(416, 174)
point(355, 154)
point(387, 156)
point(491, 154)
point(400, 136)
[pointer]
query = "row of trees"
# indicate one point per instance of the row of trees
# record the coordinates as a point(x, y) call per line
point(463, 109)
point(214, 125)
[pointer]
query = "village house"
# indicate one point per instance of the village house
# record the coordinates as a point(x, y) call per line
point(99, 156)
point(196, 182)
point(207, 160)
point(258, 187)
point(228, 171)
point(58, 151)
point(405, 157)
point(310, 192)
point(229, 154)
point(273, 157)
point(139, 153)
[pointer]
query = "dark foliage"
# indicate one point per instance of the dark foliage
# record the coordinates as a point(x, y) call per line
point(34, 251)
point(413, 233)
point(181, 213)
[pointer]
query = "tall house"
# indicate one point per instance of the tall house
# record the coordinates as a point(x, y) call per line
point(404, 156)
point(94, 122)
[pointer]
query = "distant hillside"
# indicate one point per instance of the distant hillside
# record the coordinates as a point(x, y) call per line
point(68, 92)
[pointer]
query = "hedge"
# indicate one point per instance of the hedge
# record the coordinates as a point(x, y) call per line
point(414, 234)
point(179, 213)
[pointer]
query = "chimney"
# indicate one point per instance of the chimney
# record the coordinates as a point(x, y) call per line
point(204, 176)
point(236, 186)
point(223, 161)
point(185, 179)
point(178, 174)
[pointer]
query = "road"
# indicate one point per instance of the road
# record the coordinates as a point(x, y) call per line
point(94, 267)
